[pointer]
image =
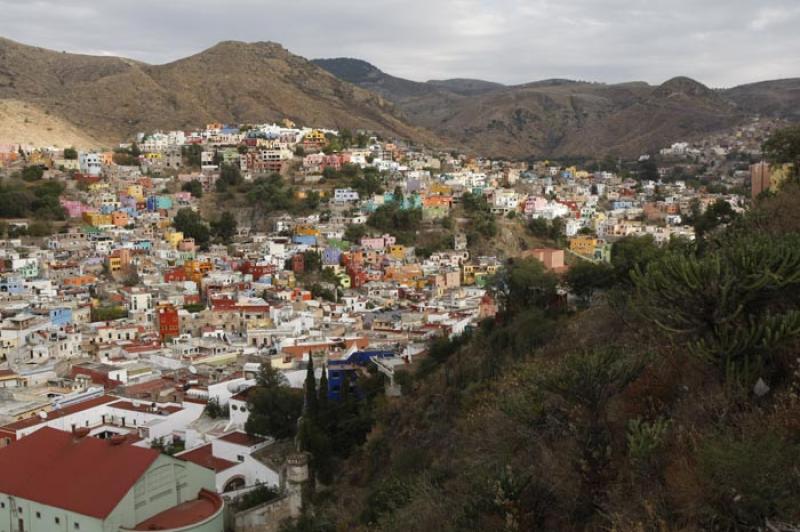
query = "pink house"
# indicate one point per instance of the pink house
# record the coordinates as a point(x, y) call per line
point(553, 259)
point(369, 242)
point(75, 209)
point(380, 242)
point(534, 204)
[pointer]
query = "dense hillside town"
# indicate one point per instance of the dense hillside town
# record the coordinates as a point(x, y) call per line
point(180, 301)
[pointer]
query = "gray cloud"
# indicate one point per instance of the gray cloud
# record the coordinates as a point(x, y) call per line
point(720, 43)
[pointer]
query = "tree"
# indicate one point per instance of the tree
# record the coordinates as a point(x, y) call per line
point(32, 173)
point(732, 307)
point(585, 278)
point(630, 253)
point(398, 195)
point(586, 382)
point(719, 213)
point(70, 154)
point(229, 176)
point(192, 155)
point(192, 225)
point(274, 406)
point(311, 201)
point(194, 187)
point(783, 147)
point(648, 170)
point(310, 405)
point(354, 233)
point(225, 227)
point(322, 397)
point(329, 172)
point(524, 284)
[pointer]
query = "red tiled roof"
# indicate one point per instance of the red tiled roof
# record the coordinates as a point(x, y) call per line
point(55, 414)
point(240, 438)
point(88, 476)
point(203, 456)
point(188, 513)
point(161, 410)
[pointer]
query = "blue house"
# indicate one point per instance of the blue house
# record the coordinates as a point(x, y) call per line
point(155, 203)
point(306, 240)
point(343, 372)
point(331, 256)
point(11, 285)
point(61, 316)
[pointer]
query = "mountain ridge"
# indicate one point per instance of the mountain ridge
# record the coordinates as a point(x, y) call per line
point(562, 117)
point(113, 98)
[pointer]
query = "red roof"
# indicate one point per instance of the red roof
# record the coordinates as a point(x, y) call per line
point(204, 457)
point(240, 438)
point(205, 506)
point(88, 476)
point(55, 414)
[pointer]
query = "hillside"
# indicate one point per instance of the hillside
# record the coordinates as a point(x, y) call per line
point(567, 118)
point(27, 124)
point(779, 98)
point(113, 98)
point(634, 411)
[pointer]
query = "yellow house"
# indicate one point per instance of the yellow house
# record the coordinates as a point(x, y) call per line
point(96, 219)
point(174, 238)
point(583, 245)
point(440, 189)
point(136, 192)
point(397, 251)
point(114, 263)
point(100, 186)
point(306, 230)
point(315, 136)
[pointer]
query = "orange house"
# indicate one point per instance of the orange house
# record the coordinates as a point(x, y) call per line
point(119, 218)
point(79, 280)
point(437, 201)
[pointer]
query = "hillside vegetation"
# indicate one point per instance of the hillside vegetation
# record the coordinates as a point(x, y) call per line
point(667, 401)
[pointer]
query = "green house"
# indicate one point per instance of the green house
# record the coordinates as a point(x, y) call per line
point(56, 481)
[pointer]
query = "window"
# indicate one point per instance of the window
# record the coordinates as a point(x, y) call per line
point(76, 526)
point(2, 505)
point(58, 520)
point(38, 515)
point(240, 457)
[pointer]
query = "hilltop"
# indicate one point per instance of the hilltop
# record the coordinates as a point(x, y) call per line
point(561, 117)
point(112, 98)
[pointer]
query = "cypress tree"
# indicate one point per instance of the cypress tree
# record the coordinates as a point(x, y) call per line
point(322, 393)
point(310, 407)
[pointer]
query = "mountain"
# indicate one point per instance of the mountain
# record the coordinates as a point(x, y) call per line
point(559, 117)
point(467, 87)
point(112, 98)
point(779, 98)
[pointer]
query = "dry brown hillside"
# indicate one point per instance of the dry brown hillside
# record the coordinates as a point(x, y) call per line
point(23, 123)
point(113, 98)
point(569, 118)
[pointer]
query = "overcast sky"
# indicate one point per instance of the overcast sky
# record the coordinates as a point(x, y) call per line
point(719, 42)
